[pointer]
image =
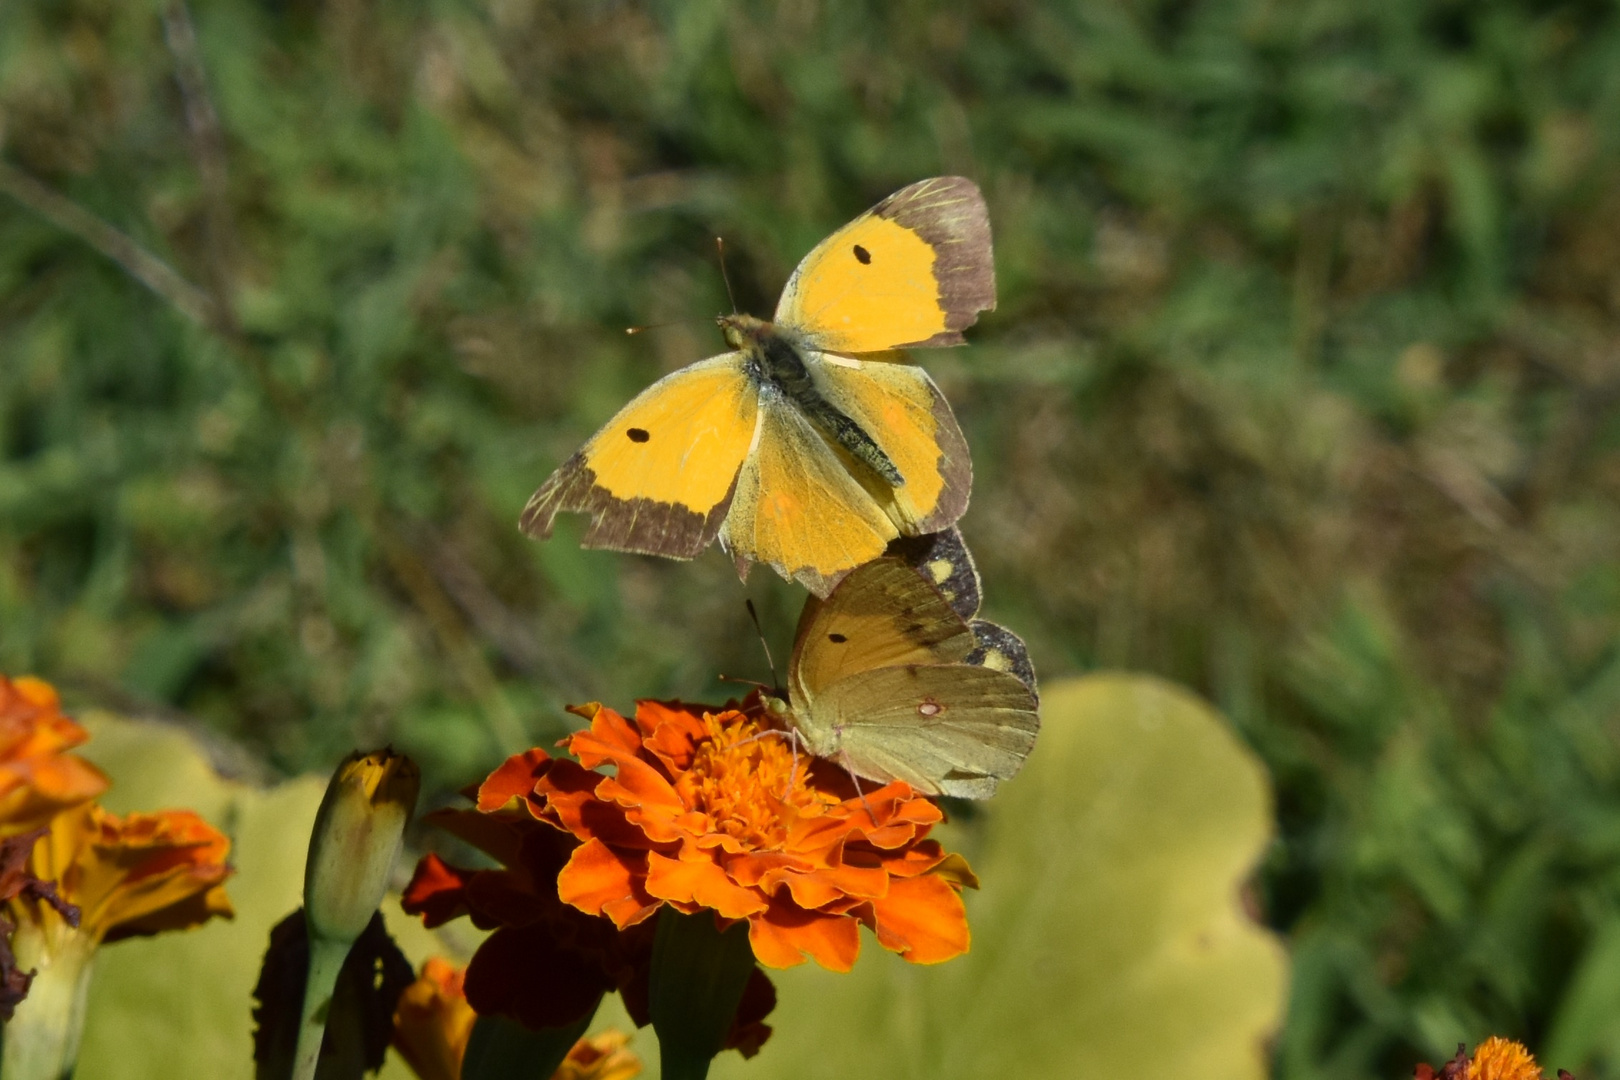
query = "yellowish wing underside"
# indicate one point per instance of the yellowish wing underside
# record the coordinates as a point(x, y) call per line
point(945, 730)
point(797, 507)
point(847, 304)
point(697, 424)
point(899, 406)
point(883, 614)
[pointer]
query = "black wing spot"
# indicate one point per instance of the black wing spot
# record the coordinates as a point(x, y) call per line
point(638, 434)
point(863, 256)
point(837, 639)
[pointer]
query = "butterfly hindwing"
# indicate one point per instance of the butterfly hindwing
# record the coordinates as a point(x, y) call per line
point(658, 478)
point(913, 271)
point(949, 729)
point(944, 559)
point(902, 410)
point(799, 509)
point(999, 649)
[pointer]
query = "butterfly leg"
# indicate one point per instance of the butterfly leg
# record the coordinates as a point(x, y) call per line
point(843, 759)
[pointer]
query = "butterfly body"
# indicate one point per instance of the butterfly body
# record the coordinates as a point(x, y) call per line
point(812, 444)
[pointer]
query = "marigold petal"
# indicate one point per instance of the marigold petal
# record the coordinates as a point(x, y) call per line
point(601, 881)
point(609, 738)
point(922, 919)
point(817, 888)
point(783, 935)
point(701, 881)
point(437, 892)
point(513, 782)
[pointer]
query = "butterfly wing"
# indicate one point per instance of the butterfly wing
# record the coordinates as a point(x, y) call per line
point(950, 729)
point(799, 508)
point(659, 478)
point(882, 615)
point(904, 413)
point(999, 649)
point(914, 270)
point(944, 559)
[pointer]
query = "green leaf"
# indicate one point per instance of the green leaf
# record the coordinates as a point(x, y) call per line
point(1108, 940)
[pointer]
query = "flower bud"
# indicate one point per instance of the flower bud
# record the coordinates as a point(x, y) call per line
point(356, 840)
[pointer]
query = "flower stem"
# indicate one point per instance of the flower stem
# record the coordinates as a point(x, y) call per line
point(42, 1039)
point(699, 973)
point(325, 961)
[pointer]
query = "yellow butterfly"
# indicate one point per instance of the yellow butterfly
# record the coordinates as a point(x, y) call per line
point(813, 444)
point(888, 678)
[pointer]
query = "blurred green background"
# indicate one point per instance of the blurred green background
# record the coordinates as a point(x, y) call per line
point(1303, 391)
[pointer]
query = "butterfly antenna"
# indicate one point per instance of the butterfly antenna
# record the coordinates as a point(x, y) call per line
point(720, 247)
point(763, 644)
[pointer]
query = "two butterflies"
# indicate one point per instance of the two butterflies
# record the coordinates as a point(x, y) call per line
point(812, 447)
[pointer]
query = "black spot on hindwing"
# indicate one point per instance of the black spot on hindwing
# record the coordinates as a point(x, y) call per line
point(863, 256)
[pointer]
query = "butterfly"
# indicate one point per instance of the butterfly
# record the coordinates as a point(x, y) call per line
point(813, 443)
point(883, 679)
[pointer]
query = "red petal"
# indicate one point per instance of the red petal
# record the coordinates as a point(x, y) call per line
point(437, 892)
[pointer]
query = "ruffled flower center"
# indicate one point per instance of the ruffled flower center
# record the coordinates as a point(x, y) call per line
point(749, 781)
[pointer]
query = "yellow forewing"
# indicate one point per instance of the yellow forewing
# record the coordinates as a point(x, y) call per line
point(846, 305)
point(658, 477)
point(698, 424)
point(914, 270)
point(798, 508)
point(899, 406)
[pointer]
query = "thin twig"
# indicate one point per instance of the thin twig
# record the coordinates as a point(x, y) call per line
point(207, 142)
point(139, 263)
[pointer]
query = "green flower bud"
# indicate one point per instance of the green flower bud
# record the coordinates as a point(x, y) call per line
point(356, 840)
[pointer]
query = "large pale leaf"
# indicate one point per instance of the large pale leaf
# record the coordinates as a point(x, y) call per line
point(1109, 939)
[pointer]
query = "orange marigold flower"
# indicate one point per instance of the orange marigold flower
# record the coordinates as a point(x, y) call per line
point(37, 775)
point(583, 956)
point(434, 1021)
point(705, 809)
point(1494, 1059)
point(129, 876)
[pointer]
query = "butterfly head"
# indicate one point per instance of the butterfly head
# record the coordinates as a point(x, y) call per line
point(743, 331)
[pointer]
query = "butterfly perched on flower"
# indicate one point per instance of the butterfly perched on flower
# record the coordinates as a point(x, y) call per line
point(812, 444)
point(894, 678)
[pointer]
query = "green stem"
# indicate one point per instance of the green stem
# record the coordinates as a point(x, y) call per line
point(325, 961)
point(699, 974)
point(42, 1039)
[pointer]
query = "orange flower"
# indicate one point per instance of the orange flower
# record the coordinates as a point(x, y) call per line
point(37, 776)
point(434, 1021)
point(130, 876)
point(583, 956)
point(705, 809)
point(1494, 1059)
